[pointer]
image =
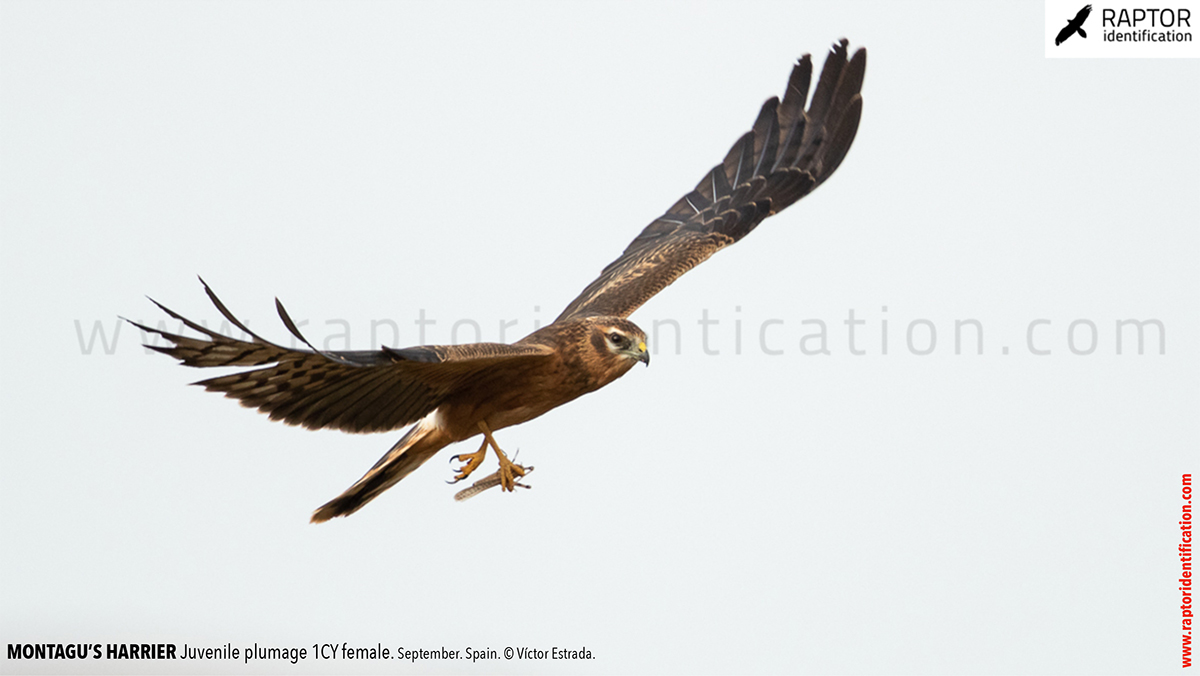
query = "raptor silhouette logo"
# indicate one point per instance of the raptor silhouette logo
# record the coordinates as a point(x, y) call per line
point(1074, 26)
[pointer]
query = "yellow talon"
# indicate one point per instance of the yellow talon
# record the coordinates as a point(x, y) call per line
point(509, 471)
point(473, 460)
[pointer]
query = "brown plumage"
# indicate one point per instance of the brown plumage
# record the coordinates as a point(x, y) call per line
point(455, 392)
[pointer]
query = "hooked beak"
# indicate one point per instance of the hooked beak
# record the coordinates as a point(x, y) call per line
point(643, 355)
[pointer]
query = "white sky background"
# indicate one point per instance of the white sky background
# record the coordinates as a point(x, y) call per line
point(713, 513)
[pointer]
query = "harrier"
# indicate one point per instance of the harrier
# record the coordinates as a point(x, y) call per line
point(456, 392)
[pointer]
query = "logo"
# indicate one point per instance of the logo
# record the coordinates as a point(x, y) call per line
point(1121, 29)
point(1074, 26)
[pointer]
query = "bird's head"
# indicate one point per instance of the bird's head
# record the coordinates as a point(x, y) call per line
point(615, 342)
point(622, 338)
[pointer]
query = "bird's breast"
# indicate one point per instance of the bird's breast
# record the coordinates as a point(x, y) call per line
point(505, 397)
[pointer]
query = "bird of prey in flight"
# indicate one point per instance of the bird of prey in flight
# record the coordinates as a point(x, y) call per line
point(455, 392)
point(1073, 26)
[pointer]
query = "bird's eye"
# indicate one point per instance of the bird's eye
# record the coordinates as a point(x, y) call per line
point(615, 337)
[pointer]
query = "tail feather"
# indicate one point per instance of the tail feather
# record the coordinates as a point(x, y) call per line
point(421, 443)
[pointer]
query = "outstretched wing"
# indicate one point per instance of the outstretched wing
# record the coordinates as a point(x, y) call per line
point(1082, 15)
point(788, 153)
point(352, 391)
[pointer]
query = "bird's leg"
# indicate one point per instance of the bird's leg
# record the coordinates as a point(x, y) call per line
point(473, 461)
point(508, 469)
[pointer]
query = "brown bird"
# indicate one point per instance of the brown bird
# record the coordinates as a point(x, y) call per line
point(455, 392)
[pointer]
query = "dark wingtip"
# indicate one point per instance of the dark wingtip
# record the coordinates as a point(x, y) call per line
point(161, 306)
point(291, 325)
point(860, 54)
point(147, 329)
point(207, 289)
